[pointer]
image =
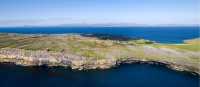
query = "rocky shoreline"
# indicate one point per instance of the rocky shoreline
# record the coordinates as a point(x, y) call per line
point(94, 64)
point(172, 66)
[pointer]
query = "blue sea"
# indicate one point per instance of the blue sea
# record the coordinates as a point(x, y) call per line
point(126, 75)
point(158, 34)
point(135, 75)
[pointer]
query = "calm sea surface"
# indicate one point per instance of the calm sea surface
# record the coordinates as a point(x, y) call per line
point(134, 75)
point(158, 34)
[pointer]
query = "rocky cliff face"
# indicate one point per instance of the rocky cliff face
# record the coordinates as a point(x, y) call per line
point(38, 58)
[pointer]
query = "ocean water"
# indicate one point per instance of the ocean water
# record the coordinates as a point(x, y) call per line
point(135, 75)
point(158, 34)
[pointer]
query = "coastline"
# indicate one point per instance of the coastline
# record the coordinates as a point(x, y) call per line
point(85, 64)
point(85, 53)
point(172, 66)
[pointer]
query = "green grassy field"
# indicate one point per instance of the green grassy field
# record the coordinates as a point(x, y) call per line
point(188, 45)
point(76, 44)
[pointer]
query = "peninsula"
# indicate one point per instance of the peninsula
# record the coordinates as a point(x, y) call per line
point(96, 51)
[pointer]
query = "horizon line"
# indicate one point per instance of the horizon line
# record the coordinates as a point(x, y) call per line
point(99, 25)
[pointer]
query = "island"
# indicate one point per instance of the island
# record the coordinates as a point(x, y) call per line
point(89, 51)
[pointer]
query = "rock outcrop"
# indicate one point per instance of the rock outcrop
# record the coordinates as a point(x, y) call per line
point(38, 58)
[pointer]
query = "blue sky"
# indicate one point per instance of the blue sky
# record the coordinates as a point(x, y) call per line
point(55, 12)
